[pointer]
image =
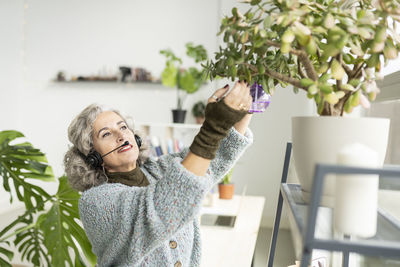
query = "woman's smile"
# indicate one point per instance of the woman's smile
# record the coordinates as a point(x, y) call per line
point(125, 148)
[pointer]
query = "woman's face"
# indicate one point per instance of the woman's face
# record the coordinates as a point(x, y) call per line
point(109, 132)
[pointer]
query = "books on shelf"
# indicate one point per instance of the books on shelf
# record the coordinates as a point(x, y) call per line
point(162, 146)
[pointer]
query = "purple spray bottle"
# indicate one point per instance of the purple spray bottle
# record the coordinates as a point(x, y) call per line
point(261, 99)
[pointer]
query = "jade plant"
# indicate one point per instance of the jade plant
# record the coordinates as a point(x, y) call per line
point(334, 50)
point(186, 80)
point(48, 232)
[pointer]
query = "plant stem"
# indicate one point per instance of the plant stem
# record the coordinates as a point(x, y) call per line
point(300, 69)
point(29, 226)
point(278, 76)
point(285, 78)
point(308, 66)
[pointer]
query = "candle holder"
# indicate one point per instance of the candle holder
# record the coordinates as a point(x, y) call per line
point(261, 99)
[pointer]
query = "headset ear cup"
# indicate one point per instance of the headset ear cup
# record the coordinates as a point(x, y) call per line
point(94, 159)
point(138, 140)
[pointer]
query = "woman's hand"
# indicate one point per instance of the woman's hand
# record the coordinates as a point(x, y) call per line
point(238, 98)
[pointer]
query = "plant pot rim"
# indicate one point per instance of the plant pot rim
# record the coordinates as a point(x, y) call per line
point(338, 118)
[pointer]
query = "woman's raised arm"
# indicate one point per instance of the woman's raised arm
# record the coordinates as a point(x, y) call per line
point(221, 114)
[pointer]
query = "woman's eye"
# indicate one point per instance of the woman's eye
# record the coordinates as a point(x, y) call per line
point(124, 127)
point(106, 134)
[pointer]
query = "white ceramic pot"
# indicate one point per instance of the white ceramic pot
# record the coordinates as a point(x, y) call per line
point(319, 140)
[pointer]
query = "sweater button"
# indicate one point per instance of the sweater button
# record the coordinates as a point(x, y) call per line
point(173, 244)
point(178, 264)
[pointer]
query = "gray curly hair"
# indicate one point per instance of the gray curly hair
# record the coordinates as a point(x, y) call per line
point(80, 175)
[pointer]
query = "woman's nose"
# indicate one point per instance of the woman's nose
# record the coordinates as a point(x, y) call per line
point(120, 137)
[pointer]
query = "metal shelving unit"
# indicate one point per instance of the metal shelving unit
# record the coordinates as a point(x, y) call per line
point(386, 242)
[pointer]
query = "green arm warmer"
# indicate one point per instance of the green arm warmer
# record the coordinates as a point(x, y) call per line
point(219, 118)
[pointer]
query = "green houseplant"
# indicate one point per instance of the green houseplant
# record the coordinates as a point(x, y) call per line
point(226, 188)
point(186, 80)
point(333, 51)
point(198, 111)
point(48, 230)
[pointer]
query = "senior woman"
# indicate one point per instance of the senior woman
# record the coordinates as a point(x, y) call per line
point(139, 211)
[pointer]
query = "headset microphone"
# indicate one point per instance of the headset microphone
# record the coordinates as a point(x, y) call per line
point(124, 144)
point(94, 158)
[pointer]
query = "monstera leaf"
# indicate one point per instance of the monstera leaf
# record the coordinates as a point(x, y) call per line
point(48, 233)
point(8, 253)
point(29, 242)
point(61, 230)
point(19, 162)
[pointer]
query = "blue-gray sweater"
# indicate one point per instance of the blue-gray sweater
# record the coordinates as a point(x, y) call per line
point(156, 225)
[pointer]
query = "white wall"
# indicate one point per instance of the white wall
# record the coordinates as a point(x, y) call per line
point(82, 37)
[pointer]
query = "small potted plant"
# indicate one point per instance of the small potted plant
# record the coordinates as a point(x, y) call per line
point(198, 111)
point(186, 80)
point(226, 189)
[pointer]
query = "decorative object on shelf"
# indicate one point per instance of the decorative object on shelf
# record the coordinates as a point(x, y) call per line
point(125, 74)
point(128, 74)
point(226, 189)
point(332, 50)
point(178, 115)
point(198, 111)
point(46, 236)
point(94, 78)
point(186, 80)
point(319, 140)
point(60, 76)
point(356, 202)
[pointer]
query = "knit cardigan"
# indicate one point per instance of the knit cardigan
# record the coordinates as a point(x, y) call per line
point(156, 225)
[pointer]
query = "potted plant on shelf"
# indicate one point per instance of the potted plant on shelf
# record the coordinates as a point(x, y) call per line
point(198, 111)
point(47, 233)
point(226, 189)
point(333, 51)
point(186, 80)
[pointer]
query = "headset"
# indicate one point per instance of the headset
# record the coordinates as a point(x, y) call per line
point(95, 160)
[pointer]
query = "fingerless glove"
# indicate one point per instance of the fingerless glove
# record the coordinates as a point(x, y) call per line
point(219, 118)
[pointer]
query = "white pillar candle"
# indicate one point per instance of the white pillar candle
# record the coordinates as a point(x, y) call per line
point(356, 199)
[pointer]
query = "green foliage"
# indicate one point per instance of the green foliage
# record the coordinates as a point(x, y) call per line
point(42, 235)
point(227, 178)
point(187, 80)
point(18, 163)
point(198, 109)
point(301, 42)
